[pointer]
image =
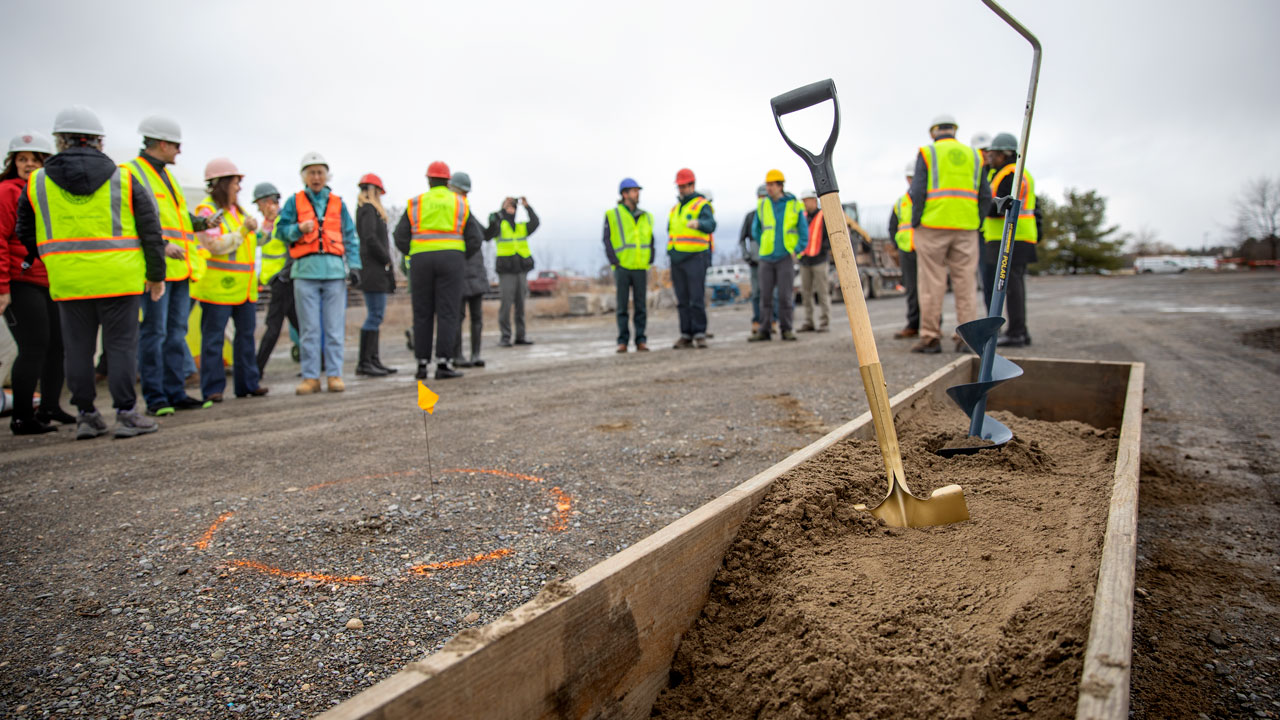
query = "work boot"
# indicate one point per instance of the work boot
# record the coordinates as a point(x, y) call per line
point(475, 351)
point(755, 327)
point(131, 423)
point(961, 345)
point(336, 384)
point(684, 343)
point(214, 398)
point(524, 341)
point(622, 348)
point(759, 337)
point(824, 327)
point(90, 425)
point(788, 335)
point(30, 426)
point(461, 362)
point(807, 327)
point(929, 346)
point(1013, 341)
point(444, 371)
point(365, 364)
point(308, 386)
point(260, 391)
point(642, 347)
point(424, 369)
point(906, 332)
point(61, 416)
point(374, 358)
point(504, 342)
point(700, 342)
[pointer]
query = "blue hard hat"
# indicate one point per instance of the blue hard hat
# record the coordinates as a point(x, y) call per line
point(627, 184)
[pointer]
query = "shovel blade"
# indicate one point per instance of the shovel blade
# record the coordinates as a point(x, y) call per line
point(944, 506)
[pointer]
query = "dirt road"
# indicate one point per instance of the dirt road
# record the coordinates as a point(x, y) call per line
point(272, 557)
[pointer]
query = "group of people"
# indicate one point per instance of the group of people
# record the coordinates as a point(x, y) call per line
point(89, 247)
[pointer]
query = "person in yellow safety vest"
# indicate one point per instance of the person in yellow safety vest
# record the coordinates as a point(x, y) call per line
point(1004, 156)
point(435, 233)
point(981, 142)
point(513, 264)
point(628, 243)
point(162, 348)
point(229, 289)
point(904, 236)
point(814, 261)
point(276, 264)
point(779, 226)
point(97, 231)
point(689, 236)
point(948, 202)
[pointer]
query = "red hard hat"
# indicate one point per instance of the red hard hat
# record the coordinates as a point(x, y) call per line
point(438, 169)
point(371, 179)
point(684, 176)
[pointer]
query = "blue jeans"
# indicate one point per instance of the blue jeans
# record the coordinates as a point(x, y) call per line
point(322, 309)
point(162, 345)
point(244, 362)
point(375, 306)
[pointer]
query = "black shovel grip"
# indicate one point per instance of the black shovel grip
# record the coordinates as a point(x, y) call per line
point(820, 166)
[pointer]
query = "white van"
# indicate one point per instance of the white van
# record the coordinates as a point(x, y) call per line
point(732, 274)
point(1159, 264)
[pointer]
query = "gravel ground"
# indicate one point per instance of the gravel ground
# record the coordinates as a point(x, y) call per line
point(122, 595)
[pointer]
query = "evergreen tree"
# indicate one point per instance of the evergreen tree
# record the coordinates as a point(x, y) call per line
point(1075, 237)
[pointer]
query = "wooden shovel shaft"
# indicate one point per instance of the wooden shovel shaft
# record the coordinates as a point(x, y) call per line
point(864, 342)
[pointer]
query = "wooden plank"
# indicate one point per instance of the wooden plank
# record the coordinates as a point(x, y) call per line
point(604, 650)
point(1104, 684)
point(1097, 395)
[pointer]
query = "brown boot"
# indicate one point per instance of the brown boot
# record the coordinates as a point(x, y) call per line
point(308, 386)
point(335, 384)
point(906, 332)
point(622, 348)
point(930, 346)
point(641, 347)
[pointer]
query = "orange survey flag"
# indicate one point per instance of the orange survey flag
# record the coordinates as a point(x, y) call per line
point(426, 398)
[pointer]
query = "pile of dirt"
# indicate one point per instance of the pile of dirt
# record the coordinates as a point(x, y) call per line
point(821, 611)
point(1266, 338)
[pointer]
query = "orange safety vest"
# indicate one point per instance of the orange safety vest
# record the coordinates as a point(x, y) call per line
point(327, 236)
point(814, 248)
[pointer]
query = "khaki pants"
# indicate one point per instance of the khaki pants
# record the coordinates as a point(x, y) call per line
point(937, 252)
point(813, 278)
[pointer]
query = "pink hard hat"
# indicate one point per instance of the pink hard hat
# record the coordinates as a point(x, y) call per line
point(221, 167)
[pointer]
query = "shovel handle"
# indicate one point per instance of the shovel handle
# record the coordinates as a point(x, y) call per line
point(824, 176)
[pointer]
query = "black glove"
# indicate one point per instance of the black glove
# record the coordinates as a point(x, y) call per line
point(353, 278)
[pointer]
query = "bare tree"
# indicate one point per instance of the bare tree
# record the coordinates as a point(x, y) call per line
point(1258, 209)
point(1146, 241)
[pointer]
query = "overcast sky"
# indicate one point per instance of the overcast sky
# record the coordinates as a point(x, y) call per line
point(1165, 108)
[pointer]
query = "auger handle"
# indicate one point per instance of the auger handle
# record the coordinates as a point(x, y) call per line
point(864, 341)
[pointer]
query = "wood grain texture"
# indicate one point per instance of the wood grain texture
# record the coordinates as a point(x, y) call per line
point(864, 341)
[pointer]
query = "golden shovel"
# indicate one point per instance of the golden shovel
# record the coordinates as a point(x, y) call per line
point(900, 508)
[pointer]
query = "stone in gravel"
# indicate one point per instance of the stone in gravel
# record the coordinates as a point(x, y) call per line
point(1215, 638)
point(471, 618)
point(355, 624)
point(218, 654)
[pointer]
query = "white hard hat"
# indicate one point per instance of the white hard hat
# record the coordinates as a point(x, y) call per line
point(980, 141)
point(78, 120)
point(31, 142)
point(159, 127)
point(943, 119)
point(708, 195)
point(808, 194)
point(313, 158)
point(911, 169)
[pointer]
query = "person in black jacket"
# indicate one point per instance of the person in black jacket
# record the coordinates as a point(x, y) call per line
point(377, 278)
point(476, 282)
point(751, 253)
point(80, 169)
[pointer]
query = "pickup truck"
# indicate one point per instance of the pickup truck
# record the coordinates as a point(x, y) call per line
point(545, 283)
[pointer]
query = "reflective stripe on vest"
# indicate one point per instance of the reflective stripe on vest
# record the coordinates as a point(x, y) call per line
point(906, 235)
point(229, 279)
point(513, 239)
point(175, 221)
point(681, 237)
point(275, 254)
point(326, 237)
point(1025, 231)
point(436, 220)
point(631, 237)
point(814, 248)
point(790, 226)
point(89, 245)
point(954, 170)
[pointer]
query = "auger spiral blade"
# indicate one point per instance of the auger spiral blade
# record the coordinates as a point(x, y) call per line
point(972, 397)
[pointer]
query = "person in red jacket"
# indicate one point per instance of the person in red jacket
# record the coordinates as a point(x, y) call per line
point(25, 301)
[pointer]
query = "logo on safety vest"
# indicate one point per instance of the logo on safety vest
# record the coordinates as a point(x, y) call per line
point(75, 199)
point(956, 155)
point(228, 282)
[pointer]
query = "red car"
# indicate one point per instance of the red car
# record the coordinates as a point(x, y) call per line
point(545, 283)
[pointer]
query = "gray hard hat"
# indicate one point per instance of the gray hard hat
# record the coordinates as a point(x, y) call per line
point(77, 120)
point(762, 191)
point(981, 141)
point(264, 190)
point(159, 127)
point(31, 142)
point(1006, 142)
point(461, 180)
point(943, 119)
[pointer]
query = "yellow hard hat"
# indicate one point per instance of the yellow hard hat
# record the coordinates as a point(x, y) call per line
point(774, 176)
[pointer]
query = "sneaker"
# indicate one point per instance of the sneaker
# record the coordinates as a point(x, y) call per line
point(930, 346)
point(131, 423)
point(90, 425)
point(444, 371)
point(61, 416)
point(788, 335)
point(30, 426)
point(683, 343)
point(160, 410)
point(188, 403)
point(700, 343)
point(308, 386)
point(759, 337)
point(906, 332)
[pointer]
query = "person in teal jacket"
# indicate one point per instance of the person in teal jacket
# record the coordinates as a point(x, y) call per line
point(777, 268)
point(318, 275)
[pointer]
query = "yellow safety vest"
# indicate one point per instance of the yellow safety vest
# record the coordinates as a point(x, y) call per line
point(230, 278)
point(436, 219)
point(906, 235)
point(175, 221)
point(631, 237)
point(89, 243)
point(954, 172)
point(275, 253)
point(768, 224)
point(1025, 231)
point(513, 239)
point(681, 237)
